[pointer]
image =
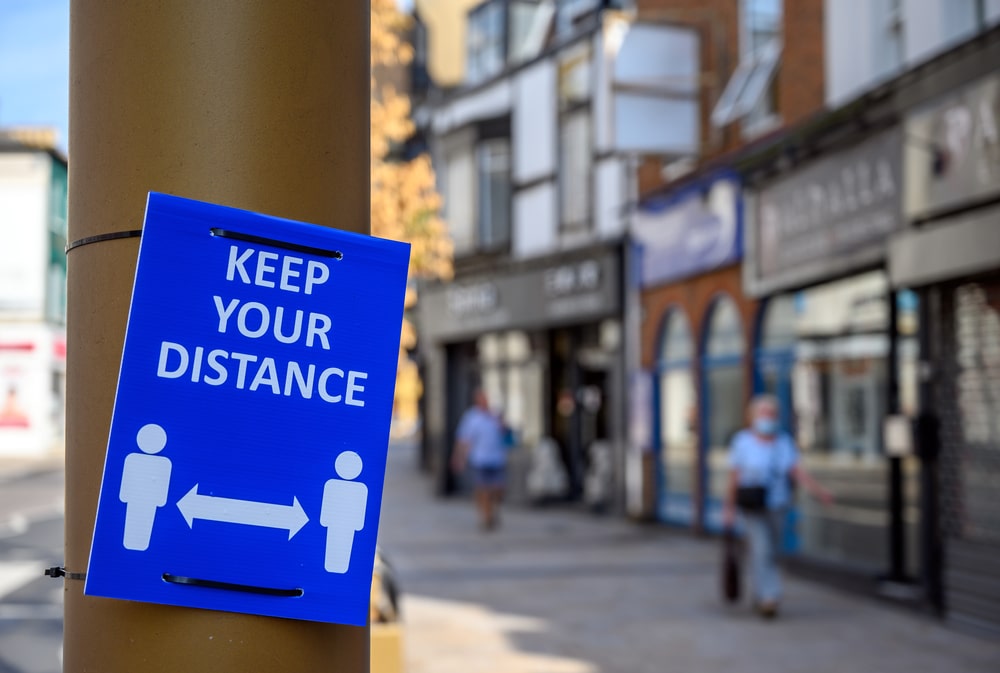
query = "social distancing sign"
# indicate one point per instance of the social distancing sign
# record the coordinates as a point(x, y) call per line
point(248, 442)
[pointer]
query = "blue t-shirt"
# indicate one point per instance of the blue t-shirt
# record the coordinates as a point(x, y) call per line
point(484, 434)
point(765, 463)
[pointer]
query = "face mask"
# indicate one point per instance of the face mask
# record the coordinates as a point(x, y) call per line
point(765, 425)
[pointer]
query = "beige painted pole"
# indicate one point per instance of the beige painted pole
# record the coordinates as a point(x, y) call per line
point(259, 104)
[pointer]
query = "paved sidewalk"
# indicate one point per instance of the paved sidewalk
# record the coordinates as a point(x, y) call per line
point(556, 591)
point(14, 467)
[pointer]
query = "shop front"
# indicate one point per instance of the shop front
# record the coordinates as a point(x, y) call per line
point(951, 257)
point(543, 339)
point(694, 342)
point(837, 345)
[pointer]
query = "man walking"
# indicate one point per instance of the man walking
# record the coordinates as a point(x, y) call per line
point(480, 445)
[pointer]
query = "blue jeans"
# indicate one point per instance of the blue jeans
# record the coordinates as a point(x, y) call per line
point(762, 532)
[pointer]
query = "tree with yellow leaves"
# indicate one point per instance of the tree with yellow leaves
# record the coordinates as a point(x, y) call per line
point(405, 204)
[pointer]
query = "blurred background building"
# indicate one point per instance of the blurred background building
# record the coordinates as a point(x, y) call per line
point(534, 148)
point(662, 207)
point(32, 291)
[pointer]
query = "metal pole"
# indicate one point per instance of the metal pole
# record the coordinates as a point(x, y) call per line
point(896, 503)
point(929, 447)
point(257, 104)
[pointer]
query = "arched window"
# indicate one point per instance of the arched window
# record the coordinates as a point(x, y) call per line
point(723, 399)
point(677, 404)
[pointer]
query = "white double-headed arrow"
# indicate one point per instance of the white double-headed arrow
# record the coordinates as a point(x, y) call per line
point(247, 512)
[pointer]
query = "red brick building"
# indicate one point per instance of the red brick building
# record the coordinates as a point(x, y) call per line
point(762, 71)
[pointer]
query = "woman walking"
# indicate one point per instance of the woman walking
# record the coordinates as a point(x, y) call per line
point(764, 462)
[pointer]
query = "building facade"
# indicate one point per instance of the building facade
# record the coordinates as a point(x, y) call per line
point(763, 73)
point(871, 245)
point(32, 297)
point(863, 296)
point(534, 153)
point(950, 256)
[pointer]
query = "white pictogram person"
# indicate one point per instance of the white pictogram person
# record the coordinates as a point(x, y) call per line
point(145, 482)
point(343, 511)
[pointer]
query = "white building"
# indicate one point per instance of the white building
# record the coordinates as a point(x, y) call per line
point(871, 41)
point(534, 152)
point(32, 297)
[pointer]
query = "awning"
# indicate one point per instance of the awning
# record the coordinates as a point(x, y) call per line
point(963, 245)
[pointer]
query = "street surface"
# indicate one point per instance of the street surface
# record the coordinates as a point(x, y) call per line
point(31, 540)
point(560, 591)
point(553, 591)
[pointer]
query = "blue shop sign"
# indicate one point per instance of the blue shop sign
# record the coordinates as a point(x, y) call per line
point(690, 231)
point(248, 441)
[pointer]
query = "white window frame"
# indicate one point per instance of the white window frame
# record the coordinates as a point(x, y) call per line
point(489, 162)
point(576, 212)
point(749, 82)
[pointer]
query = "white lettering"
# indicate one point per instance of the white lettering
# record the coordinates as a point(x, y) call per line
point(262, 268)
point(279, 319)
point(267, 374)
point(225, 312)
point(327, 373)
point(315, 329)
point(196, 365)
point(294, 372)
point(287, 272)
point(317, 273)
point(220, 371)
point(236, 264)
point(353, 387)
point(165, 349)
point(241, 375)
point(265, 319)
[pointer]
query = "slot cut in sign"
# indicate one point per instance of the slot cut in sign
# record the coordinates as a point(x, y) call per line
point(247, 449)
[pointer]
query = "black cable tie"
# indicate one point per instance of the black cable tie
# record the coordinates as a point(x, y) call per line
point(262, 240)
point(114, 235)
point(231, 586)
point(58, 571)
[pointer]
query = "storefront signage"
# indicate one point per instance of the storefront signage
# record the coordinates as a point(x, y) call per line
point(827, 218)
point(475, 299)
point(689, 233)
point(570, 279)
point(525, 297)
point(953, 150)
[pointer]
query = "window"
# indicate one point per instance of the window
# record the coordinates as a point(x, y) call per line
point(575, 168)
point(574, 86)
point(511, 371)
point(723, 401)
point(530, 23)
point(677, 407)
point(888, 36)
point(570, 12)
point(486, 44)
point(494, 194)
point(751, 93)
point(458, 190)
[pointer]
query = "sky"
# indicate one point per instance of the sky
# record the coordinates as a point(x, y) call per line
point(34, 64)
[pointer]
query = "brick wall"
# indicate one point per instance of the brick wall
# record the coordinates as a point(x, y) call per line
point(800, 77)
point(695, 296)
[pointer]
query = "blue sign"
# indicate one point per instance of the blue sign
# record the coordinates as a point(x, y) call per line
point(691, 231)
point(248, 443)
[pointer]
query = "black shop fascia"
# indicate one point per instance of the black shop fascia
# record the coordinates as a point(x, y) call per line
point(543, 339)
